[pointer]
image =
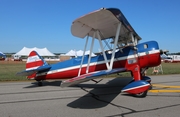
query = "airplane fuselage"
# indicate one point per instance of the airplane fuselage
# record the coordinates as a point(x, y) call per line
point(146, 54)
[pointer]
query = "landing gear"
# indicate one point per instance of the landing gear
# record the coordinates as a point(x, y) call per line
point(141, 95)
point(140, 85)
point(137, 88)
point(39, 83)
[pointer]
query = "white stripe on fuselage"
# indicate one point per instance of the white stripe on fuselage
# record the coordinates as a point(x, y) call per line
point(99, 62)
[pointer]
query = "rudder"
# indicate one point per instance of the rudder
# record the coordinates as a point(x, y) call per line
point(34, 61)
point(34, 64)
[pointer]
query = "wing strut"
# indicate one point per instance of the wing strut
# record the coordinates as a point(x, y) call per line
point(102, 49)
point(96, 32)
point(133, 39)
point(89, 59)
point(115, 44)
point(90, 54)
point(83, 55)
point(109, 66)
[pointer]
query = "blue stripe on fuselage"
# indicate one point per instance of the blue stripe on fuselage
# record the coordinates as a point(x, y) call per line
point(152, 45)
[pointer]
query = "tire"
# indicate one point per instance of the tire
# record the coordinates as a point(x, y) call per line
point(141, 95)
point(39, 83)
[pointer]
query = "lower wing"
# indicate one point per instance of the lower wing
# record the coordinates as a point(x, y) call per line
point(89, 76)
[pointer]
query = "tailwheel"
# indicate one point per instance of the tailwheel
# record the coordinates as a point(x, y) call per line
point(141, 95)
point(39, 83)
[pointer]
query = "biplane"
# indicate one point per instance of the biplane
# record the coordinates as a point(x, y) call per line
point(126, 54)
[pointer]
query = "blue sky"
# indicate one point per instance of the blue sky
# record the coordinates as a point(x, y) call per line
point(47, 23)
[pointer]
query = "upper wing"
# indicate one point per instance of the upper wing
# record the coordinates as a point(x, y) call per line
point(104, 20)
point(32, 71)
point(89, 76)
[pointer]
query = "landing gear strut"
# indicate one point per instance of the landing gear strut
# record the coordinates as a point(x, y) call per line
point(140, 85)
point(144, 77)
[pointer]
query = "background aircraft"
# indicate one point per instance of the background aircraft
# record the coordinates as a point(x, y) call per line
point(126, 55)
point(2, 56)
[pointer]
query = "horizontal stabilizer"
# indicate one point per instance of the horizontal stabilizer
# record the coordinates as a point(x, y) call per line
point(89, 76)
point(30, 72)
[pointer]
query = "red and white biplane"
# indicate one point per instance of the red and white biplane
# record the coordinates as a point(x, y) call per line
point(127, 54)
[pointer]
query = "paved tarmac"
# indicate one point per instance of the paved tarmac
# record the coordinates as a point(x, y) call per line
point(26, 99)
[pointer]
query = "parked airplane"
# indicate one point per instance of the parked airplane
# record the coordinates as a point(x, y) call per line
point(127, 55)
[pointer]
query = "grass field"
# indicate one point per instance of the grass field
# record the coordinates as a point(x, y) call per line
point(8, 70)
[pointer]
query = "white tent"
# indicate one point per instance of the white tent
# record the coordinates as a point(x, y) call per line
point(41, 51)
point(78, 53)
point(71, 53)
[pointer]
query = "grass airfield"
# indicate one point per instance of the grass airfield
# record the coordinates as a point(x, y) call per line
point(8, 70)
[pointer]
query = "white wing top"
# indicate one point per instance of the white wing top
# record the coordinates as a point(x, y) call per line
point(105, 21)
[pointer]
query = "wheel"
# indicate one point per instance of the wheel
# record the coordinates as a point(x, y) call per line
point(141, 95)
point(39, 83)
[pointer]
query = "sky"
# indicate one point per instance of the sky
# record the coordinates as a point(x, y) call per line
point(47, 23)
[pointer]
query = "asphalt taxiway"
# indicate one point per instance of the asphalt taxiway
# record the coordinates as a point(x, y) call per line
point(26, 99)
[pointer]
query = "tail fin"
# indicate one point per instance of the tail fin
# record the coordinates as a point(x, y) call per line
point(34, 61)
